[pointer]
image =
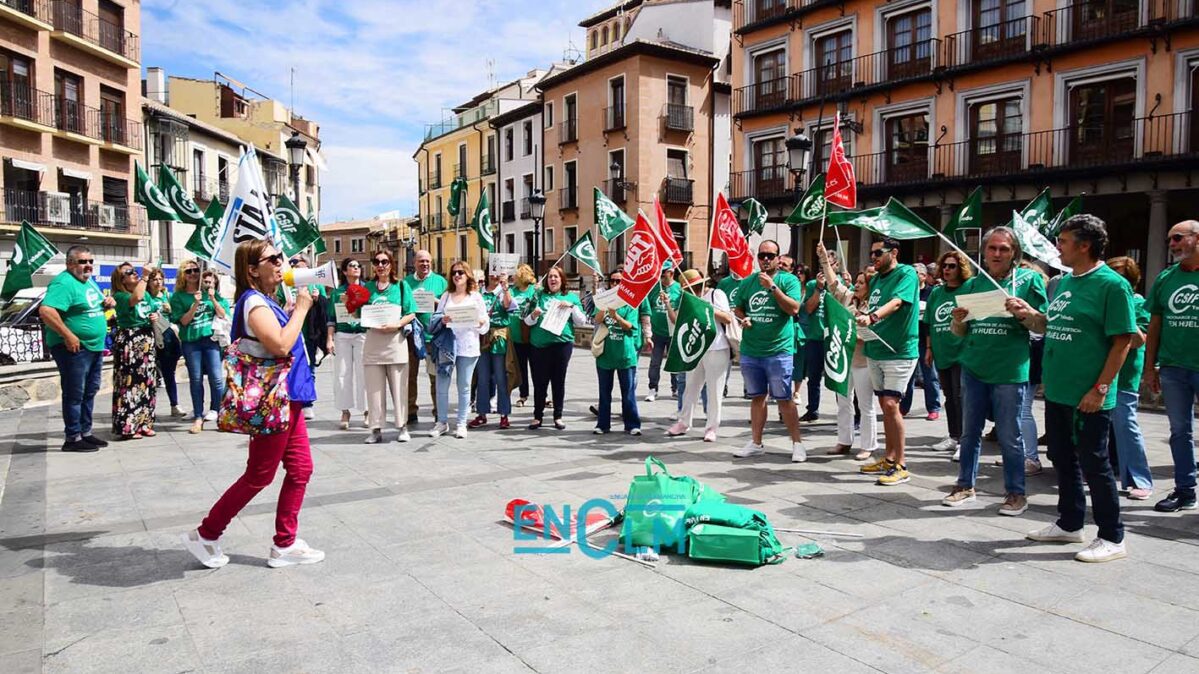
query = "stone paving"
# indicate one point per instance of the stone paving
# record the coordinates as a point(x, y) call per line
point(421, 575)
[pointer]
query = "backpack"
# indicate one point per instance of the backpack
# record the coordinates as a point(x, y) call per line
point(727, 532)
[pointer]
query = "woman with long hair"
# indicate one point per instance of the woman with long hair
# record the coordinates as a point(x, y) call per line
point(492, 369)
point(193, 306)
point(712, 369)
point(552, 346)
point(346, 339)
point(385, 351)
point(523, 288)
point(944, 347)
point(266, 331)
point(167, 356)
point(1133, 464)
point(133, 385)
point(463, 292)
point(618, 361)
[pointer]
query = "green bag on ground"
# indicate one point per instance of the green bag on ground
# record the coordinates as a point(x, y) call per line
point(656, 504)
point(710, 536)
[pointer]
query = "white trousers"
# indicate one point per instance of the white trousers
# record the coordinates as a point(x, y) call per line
point(844, 420)
point(711, 371)
point(380, 380)
point(863, 388)
point(349, 389)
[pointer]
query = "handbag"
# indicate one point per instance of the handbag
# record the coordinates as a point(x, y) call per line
point(656, 505)
point(598, 338)
point(256, 399)
point(221, 329)
point(727, 532)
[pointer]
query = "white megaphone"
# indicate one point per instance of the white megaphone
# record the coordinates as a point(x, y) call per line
point(324, 275)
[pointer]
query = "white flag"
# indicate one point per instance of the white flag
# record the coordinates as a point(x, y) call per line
point(249, 215)
point(1035, 244)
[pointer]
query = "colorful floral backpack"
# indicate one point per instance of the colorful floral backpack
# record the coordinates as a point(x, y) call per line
point(256, 400)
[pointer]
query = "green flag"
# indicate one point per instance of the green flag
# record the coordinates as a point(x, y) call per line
point(812, 206)
point(181, 203)
point(482, 224)
point(610, 221)
point(584, 251)
point(968, 216)
point(29, 253)
point(694, 332)
point(1055, 226)
point(146, 193)
point(295, 230)
point(457, 194)
point(1034, 243)
point(892, 219)
point(318, 246)
point(1038, 212)
point(203, 243)
point(757, 215)
point(839, 341)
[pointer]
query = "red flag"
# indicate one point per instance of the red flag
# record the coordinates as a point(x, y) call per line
point(666, 236)
point(840, 185)
point(727, 236)
point(642, 263)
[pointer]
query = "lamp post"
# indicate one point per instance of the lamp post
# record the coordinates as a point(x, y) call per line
point(295, 156)
point(799, 154)
point(537, 211)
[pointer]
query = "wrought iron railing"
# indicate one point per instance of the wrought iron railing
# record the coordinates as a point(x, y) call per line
point(568, 197)
point(1007, 40)
point(765, 96)
point(568, 131)
point(679, 117)
point(1085, 22)
point(764, 183)
point(615, 190)
point(487, 165)
point(614, 118)
point(677, 190)
point(27, 103)
point(38, 9)
point(75, 213)
point(70, 18)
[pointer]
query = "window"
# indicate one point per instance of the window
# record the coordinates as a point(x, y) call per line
point(461, 246)
point(549, 241)
point(824, 146)
point(1103, 18)
point(614, 119)
point(910, 47)
point(440, 251)
point(995, 136)
point(510, 243)
point(570, 119)
point(615, 191)
point(594, 40)
point(337, 245)
point(222, 179)
point(436, 182)
point(357, 245)
point(770, 168)
point(309, 177)
point(676, 90)
point(676, 164)
point(678, 187)
point(198, 174)
point(69, 108)
point(548, 114)
point(548, 180)
point(907, 147)
point(616, 32)
point(461, 168)
point(570, 185)
point(768, 9)
point(770, 71)
point(834, 56)
point(604, 36)
point(111, 26)
point(527, 137)
point(489, 158)
point(999, 28)
point(16, 84)
point(508, 144)
point(1101, 121)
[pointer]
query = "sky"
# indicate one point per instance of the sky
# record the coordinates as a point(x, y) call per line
point(372, 73)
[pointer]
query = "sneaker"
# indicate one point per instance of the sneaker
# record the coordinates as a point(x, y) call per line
point(1033, 467)
point(710, 435)
point(750, 449)
point(504, 423)
point(309, 413)
point(679, 428)
point(878, 467)
point(403, 436)
point(177, 413)
point(799, 453)
point(1052, 533)
point(957, 453)
point(460, 432)
point(93, 441)
point(210, 415)
point(896, 474)
point(480, 420)
point(521, 402)
point(809, 417)
point(1177, 500)
point(206, 552)
point(598, 431)
point(635, 432)
point(1101, 551)
point(1014, 505)
point(946, 445)
point(439, 429)
point(959, 496)
point(559, 424)
point(653, 395)
point(932, 416)
point(78, 446)
point(296, 553)
point(375, 437)
point(1138, 494)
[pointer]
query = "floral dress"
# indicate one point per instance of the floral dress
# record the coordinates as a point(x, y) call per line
point(133, 368)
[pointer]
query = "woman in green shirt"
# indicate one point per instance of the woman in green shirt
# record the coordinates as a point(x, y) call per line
point(168, 354)
point(492, 371)
point(346, 339)
point(553, 340)
point(193, 307)
point(618, 361)
point(1132, 466)
point(133, 382)
point(524, 285)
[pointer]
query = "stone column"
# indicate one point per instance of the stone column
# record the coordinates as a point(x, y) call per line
point(865, 238)
point(1155, 248)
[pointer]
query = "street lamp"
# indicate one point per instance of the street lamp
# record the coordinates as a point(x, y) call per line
point(295, 156)
point(799, 154)
point(537, 211)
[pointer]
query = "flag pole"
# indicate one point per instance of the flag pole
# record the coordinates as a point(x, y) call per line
point(977, 265)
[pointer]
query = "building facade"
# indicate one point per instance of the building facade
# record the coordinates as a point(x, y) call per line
point(354, 239)
point(71, 123)
point(940, 97)
point(519, 174)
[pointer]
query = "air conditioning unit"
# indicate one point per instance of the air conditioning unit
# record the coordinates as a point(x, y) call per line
point(56, 206)
point(106, 215)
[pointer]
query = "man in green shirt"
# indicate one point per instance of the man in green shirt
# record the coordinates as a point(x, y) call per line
point(660, 326)
point(72, 312)
point(1173, 345)
point(1088, 327)
point(767, 303)
point(427, 287)
point(892, 314)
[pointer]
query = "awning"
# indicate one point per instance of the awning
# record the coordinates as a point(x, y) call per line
point(76, 173)
point(28, 165)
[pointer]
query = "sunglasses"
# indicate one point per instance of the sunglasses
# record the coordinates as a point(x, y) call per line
point(614, 280)
point(130, 272)
point(1177, 238)
point(381, 262)
point(879, 252)
point(949, 266)
point(85, 262)
point(457, 272)
point(294, 261)
point(189, 272)
point(275, 259)
point(353, 265)
point(767, 256)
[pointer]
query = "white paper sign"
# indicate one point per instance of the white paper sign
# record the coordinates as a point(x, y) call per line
point(344, 315)
point(555, 317)
point(503, 264)
point(608, 299)
point(463, 314)
point(426, 302)
point(984, 305)
point(379, 315)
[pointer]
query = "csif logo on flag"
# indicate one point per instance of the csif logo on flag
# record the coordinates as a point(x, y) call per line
point(691, 340)
point(182, 204)
point(587, 250)
point(836, 358)
point(156, 197)
point(812, 207)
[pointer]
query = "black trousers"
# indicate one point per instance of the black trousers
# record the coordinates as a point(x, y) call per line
point(951, 390)
point(1078, 450)
point(523, 353)
point(549, 365)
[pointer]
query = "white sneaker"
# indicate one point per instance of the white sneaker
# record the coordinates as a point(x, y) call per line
point(653, 395)
point(210, 415)
point(957, 453)
point(750, 449)
point(460, 432)
point(946, 445)
point(635, 432)
point(297, 553)
point(403, 436)
point(309, 413)
point(439, 429)
point(798, 453)
point(598, 431)
point(1055, 534)
point(1101, 550)
point(375, 437)
point(206, 552)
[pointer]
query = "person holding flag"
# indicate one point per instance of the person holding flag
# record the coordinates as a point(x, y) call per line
point(813, 346)
point(618, 361)
point(766, 306)
point(712, 367)
point(668, 295)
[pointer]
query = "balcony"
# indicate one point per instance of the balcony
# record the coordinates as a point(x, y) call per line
point(750, 15)
point(508, 211)
point(614, 118)
point(765, 96)
point(435, 222)
point(202, 188)
point(568, 131)
point(95, 217)
point(33, 14)
point(526, 209)
point(26, 108)
point(459, 171)
point(568, 198)
point(1088, 23)
point(222, 193)
point(677, 191)
point(435, 181)
point(988, 45)
point(122, 135)
point(679, 117)
point(614, 190)
point(487, 165)
point(764, 183)
point(95, 35)
point(879, 70)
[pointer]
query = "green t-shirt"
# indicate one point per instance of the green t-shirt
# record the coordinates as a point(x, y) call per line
point(520, 298)
point(539, 337)
point(938, 315)
point(161, 304)
point(620, 348)
point(771, 331)
point(81, 305)
point(900, 330)
point(201, 323)
point(996, 350)
point(1130, 374)
point(1085, 314)
point(337, 299)
point(394, 293)
point(730, 285)
point(1175, 297)
point(659, 321)
point(814, 330)
point(434, 283)
point(136, 316)
point(498, 313)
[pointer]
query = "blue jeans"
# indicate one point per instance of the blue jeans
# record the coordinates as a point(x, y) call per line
point(1130, 445)
point(79, 376)
point(1179, 387)
point(1028, 424)
point(493, 378)
point(658, 356)
point(203, 359)
point(627, 378)
point(932, 387)
point(464, 368)
point(1004, 400)
point(767, 374)
point(813, 353)
point(168, 358)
